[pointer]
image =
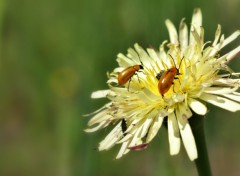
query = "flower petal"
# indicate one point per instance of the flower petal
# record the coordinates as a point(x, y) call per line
point(154, 128)
point(197, 17)
point(124, 61)
point(99, 117)
point(123, 150)
point(186, 132)
point(230, 38)
point(232, 54)
point(100, 94)
point(232, 97)
point(221, 102)
point(99, 110)
point(111, 138)
point(227, 82)
point(197, 106)
point(173, 135)
point(196, 22)
point(146, 125)
point(220, 90)
point(136, 140)
point(172, 32)
point(197, 38)
point(164, 57)
point(98, 127)
point(183, 35)
point(188, 140)
point(144, 57)
point(185, 111)
point(217, 35)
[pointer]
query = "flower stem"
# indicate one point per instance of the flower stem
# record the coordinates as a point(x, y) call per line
point(202, 162)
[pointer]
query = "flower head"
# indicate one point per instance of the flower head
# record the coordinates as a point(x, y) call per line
point(172, 84)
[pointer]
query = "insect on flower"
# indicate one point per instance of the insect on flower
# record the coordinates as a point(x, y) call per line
point(139, 115)
point(127, 74)
point(167, 78)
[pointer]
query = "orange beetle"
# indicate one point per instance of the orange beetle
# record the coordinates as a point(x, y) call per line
point(166, 79)
point(126, 75)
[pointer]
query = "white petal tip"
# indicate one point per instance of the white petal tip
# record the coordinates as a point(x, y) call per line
point(100, 94)
point(88, 130)
point(198, 107)
point(174, 151)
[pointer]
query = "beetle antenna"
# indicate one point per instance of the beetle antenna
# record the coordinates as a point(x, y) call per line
point(141, 66)
point(173, 60)
point(181, 62)
point(141, 63)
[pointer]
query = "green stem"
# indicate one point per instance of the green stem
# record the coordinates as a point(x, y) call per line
point(202, 162)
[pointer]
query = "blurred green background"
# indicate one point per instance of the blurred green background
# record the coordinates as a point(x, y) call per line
point(54, 53)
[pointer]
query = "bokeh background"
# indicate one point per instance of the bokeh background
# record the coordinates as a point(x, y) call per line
point(54, 53)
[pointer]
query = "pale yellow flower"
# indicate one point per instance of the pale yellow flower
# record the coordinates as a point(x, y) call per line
point(137, 112)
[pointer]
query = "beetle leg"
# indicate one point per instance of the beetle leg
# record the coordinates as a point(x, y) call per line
point(138, 78)
point(173, 87)
point(129, 83)
point(178, 79)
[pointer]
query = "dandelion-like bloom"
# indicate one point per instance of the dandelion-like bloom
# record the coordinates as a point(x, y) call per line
point(200, 75)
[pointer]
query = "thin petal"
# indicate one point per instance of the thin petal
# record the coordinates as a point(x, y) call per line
point(183, 35)
point(125, 138)
point(232, 54)
point(186, 132)
point(220, 90)
point(164, 57)
point(97, 111)
point(232, 97)
point(221, 102)
point(188, 141)
point(99, 117)
point(217, 35)
point(98, 127)
point(154, 128)
point(144, 57)
point(124, 61)
point(136, 140)
point(197, 17)
point(230, 39)
point(157, 66)
point(123, 150)
point(173, 135)
point(134, 55)
point(196, 37)
point(100, 94)
point(172, 32)
point(111, 138)
point(152, 53)
point(146, 125)
point(224, 81)
point(196, 22)
point(187, 136)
